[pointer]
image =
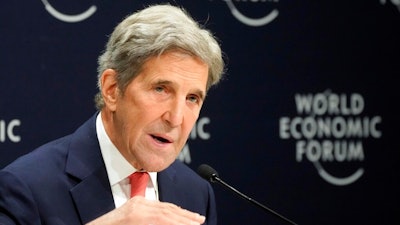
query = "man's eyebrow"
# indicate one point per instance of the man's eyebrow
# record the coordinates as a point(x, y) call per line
point(198, 92)
point(163, 82)
point(201, 94)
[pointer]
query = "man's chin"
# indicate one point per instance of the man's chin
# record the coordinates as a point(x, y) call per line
point(158, 165)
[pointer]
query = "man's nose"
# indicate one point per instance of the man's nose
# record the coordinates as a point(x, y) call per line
point(175, 112)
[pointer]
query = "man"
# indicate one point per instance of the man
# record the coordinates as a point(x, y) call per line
point(153, 78)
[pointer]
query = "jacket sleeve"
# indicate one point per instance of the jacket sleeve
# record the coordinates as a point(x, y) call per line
point(17, 205)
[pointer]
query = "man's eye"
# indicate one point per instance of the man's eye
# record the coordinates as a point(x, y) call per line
point(159, 89)
point(193, 99)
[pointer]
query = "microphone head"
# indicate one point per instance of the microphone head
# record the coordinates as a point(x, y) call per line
point(207, 172)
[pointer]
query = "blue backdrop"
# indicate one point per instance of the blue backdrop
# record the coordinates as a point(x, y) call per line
point(306, 120)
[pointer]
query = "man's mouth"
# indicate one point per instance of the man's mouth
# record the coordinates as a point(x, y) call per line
point(160, 139)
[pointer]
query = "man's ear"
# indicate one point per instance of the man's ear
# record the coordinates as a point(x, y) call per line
point(109, 88)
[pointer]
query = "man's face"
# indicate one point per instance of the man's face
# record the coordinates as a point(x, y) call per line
point(152, 120)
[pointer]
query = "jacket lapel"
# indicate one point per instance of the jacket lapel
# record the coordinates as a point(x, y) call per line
point(167, 186)
point(166, 182)
point(92, 195)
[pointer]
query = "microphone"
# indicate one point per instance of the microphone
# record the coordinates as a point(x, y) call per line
point(211, 175)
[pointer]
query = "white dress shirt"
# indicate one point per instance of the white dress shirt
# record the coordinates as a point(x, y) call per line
point(118, 169)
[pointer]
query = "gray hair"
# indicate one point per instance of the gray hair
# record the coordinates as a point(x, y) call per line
point(151, 32)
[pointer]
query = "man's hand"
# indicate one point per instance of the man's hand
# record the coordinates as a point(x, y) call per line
point(140, 211)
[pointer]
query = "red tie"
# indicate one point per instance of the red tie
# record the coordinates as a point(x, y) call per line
point(138, 182)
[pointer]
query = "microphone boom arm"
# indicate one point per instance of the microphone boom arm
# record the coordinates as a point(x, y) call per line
point(216, 179)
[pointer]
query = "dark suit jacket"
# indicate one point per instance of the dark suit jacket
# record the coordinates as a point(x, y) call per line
point(65, 182)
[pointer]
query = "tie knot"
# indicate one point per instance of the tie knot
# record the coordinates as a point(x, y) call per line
point(138, 181)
